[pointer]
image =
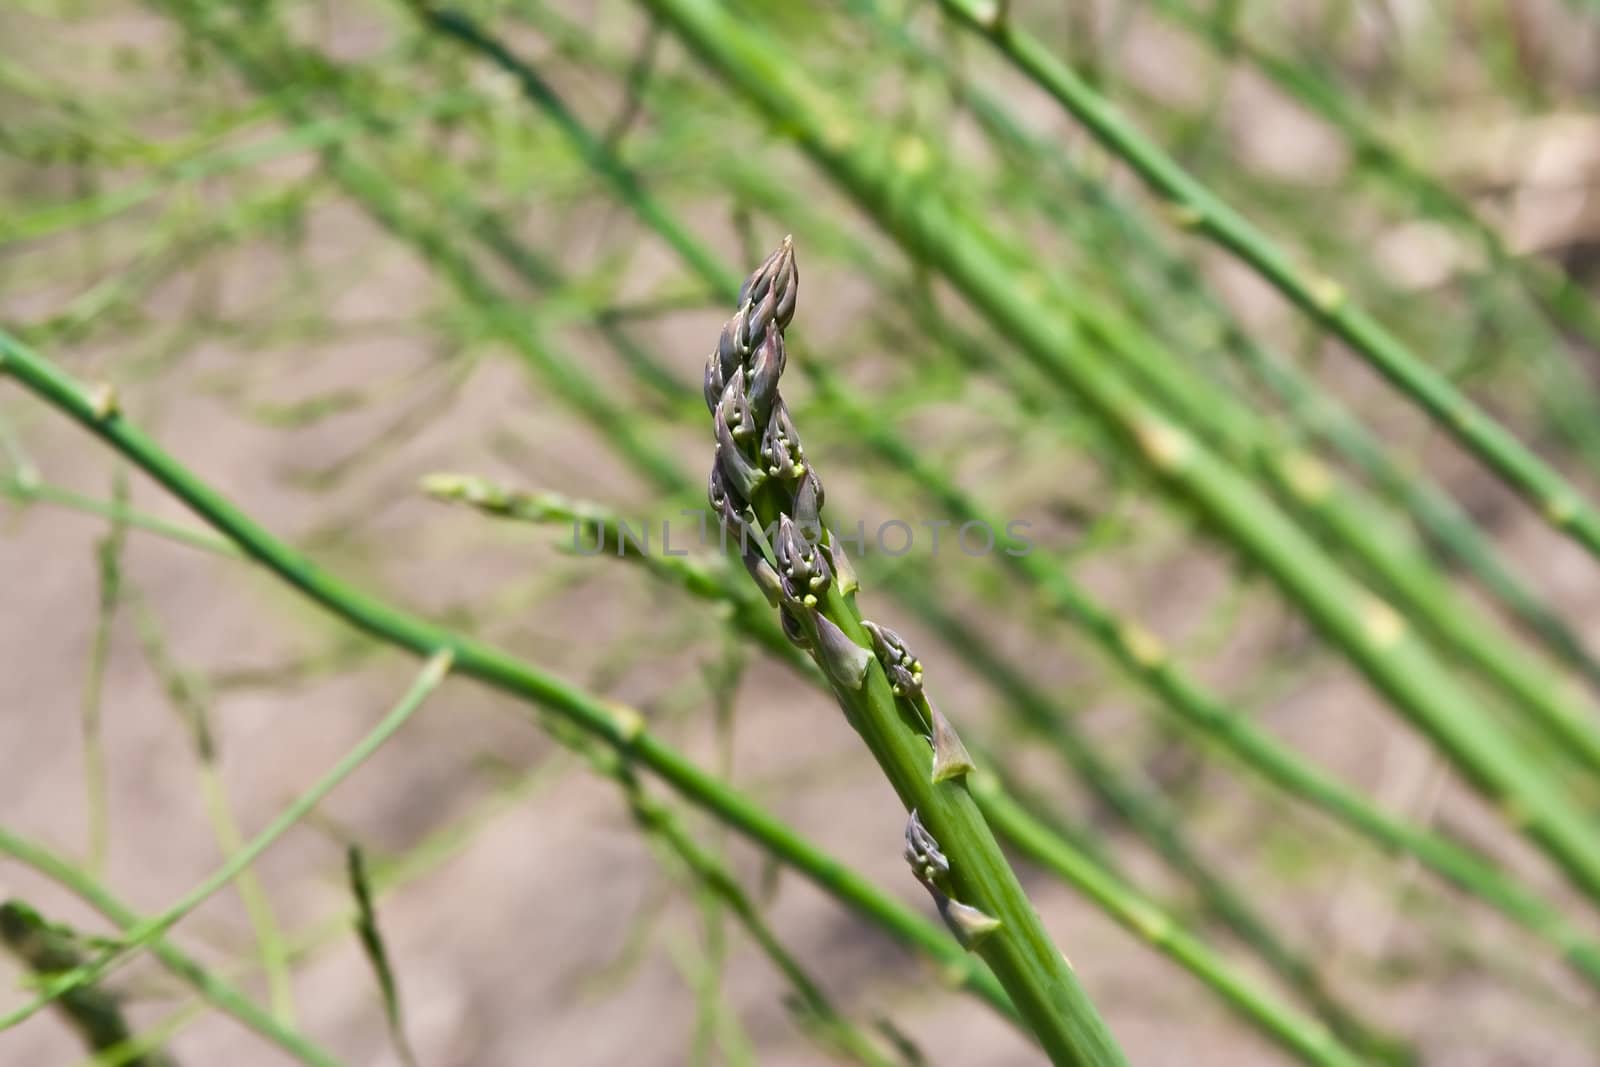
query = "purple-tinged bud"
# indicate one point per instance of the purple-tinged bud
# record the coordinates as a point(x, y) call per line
point(778, 277)
point(755, 287)
point(741, 476)
point(781, 452)
point(950, 758)
point(844, 661)
point(904, 669)
point(844, 571)
point(734, 408)
point(969, 925)
point(928, 864)
point(766, 367)
point(761, 317)
point(730, 353)
point(808, 507)
point(786, 282)
point(923, 854)
point(713, 383)
point(801, 566)
point(792, 629)
point(717, 490)
point(723, 505)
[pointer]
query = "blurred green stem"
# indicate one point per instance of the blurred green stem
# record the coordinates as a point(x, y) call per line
point(1558, 502)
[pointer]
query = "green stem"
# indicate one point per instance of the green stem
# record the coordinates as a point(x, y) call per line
point(1438, 517)
point(1560, 504)
point(1305, 1038)
point(1091, 876)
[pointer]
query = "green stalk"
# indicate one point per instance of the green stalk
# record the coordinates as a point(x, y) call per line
point(760, 483)
point(752, 617)
point(1372, 633)
point(1552, 288)
point(29, 491)
point(1560, 504)
point(1145, 660)
point(1350, 524)
point(620, 727)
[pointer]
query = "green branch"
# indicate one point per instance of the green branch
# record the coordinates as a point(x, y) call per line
point(1562, 505)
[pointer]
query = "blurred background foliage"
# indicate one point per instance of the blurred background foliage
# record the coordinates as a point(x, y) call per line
point(1257, 314)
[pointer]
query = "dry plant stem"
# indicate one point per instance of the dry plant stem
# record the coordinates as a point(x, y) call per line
point(1371, 633)
point(93, 1012)
point(1560, 504)
point(220, 994)
point(432, 673)
point(660, 821)
point(377, 953)
point(761, 482)
point(619, 726)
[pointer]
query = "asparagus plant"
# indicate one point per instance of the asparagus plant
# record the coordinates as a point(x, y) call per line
point(768, 497)
point(1125, 639)
point(608, 722)
point(1164, 833)
point(1090, 875)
